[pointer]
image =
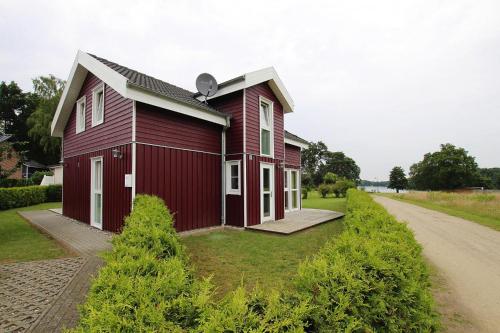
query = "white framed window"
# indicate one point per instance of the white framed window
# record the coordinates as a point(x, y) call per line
point(98, 105)
point(233, 177)
point(81, 106)
point(266, 127)
point(292, 190)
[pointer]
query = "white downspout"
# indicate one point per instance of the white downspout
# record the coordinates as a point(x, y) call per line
point(134, 154)
point(223, 176)
point(245, 222)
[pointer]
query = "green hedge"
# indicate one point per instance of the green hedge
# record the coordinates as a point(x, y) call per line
point(7, 182)
point(371, 278)
point(148, 285)
point(14, 197)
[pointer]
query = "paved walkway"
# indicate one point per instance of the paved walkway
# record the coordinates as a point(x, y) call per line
point(468, 256)
point(298, 220)
point(42, 296)
point(76, 236)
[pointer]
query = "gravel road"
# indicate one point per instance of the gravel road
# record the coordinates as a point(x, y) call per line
point(467, 256)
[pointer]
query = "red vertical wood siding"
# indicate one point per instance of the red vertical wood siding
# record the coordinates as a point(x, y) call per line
point(116, 128)
point(116, 197)
point(163, 127)
point(253, 120)
point(292, 156)
point(232, 104)
point(188, 181)
point(253, 190)
point(235, 203)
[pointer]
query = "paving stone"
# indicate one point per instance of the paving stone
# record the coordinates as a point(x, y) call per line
point(43, 296)
point(29, 288)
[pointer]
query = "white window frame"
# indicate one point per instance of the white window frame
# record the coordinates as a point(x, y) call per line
point(80, 122)
point(92, 191)
point(229, 189)
point(98, 89)
point(270, 104)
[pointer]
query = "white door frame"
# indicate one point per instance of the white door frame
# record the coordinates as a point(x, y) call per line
point(286, 189)
point(289, 192)
point(93, 191)
point(269, 166)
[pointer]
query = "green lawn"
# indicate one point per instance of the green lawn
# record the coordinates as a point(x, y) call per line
point(476, 207)
point(19, 241)
point(314, 200)
point(255, 258)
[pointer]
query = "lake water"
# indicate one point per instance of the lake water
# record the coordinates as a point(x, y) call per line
point(379, 189)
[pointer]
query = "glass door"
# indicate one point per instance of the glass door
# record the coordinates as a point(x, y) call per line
point(266, 190)
point(96, 193)
point(294, 183)
point(286, 183)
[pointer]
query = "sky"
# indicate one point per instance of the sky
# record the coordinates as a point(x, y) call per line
point(383, 81)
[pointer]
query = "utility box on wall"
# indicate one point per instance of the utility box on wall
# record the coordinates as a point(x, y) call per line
point(128, 180)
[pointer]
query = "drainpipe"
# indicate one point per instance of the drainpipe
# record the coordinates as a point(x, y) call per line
point(223, 176)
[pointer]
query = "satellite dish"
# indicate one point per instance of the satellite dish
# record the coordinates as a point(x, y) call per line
point(206, 85)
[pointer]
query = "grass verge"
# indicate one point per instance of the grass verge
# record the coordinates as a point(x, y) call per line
point(480, 208)
point(19, 241)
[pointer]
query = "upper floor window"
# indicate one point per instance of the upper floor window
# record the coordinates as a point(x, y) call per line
point(266, 127)
point(98, 105)
point(80, 114)
point(233, 177)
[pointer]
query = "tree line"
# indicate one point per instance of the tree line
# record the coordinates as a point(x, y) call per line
point(329, 172)
point(449, 168)
point(27, 116)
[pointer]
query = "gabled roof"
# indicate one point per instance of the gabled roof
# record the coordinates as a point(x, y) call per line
point(295, 140)
point(157, 86)
point(133, 85)
point(5, 137)
point(247, 80)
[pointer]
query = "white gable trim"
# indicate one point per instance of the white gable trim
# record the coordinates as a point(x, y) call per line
point(296, 143)
point(268, 75)
point(85, 63)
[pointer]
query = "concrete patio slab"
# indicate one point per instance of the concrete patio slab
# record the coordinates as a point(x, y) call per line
point(297, 221)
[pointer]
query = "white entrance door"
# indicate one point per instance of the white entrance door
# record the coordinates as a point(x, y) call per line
point(96, 192)
point(266, 192)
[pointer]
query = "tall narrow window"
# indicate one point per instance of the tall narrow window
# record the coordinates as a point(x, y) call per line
point(98, 105)
point(233, 177)
point(266, 127)
point(295, 189)
point(80, 114)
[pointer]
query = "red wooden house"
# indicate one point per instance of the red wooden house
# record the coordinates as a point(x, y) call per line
point(225, 162)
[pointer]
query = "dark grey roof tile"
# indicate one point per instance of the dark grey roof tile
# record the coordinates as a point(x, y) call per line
point(158, 86)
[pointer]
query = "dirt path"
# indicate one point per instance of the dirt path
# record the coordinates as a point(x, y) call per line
point(467, 256)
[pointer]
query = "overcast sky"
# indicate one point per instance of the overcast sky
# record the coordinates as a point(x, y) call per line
point(382, 81)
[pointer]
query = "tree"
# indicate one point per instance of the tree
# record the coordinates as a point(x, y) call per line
point(490, 177)
point(15, 108)
point(449, 168)
point(397, 179)
point(330, 178)
point(49, 90)
point(317, 161)
point(341, 165)
point(312, 157)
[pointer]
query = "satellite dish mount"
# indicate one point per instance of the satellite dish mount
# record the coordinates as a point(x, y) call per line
point(206, 85)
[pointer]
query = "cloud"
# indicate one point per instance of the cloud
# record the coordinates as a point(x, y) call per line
point(383, 81)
